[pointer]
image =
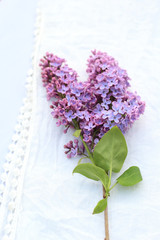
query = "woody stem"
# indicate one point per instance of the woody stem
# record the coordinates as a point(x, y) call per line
point(106, 218)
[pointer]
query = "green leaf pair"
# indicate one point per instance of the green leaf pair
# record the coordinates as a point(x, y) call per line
point(108, 156)
point(95, 173)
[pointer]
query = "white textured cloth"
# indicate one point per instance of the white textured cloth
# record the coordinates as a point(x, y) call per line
point(50, 203)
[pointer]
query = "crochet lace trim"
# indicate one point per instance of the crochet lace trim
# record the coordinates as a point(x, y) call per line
point(11, 179)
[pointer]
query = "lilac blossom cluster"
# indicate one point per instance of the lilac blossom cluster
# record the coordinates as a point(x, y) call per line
point(94, 106)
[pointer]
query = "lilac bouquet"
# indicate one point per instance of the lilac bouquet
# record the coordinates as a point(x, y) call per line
point(100, 110)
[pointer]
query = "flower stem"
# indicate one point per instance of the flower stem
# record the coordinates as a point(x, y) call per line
point(87, 149)
point(106, 218)
point(75, 123)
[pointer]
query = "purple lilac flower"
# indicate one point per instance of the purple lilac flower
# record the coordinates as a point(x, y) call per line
point(69, 115)
point(103, 92)
point(105, 103)
point(95, 105)
point(90, 125)
point(63, 89)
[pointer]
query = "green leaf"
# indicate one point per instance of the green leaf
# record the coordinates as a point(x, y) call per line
point(93, 172)
point(101, 206)
point(130, 177)
point(111, 151)
point(77, 133)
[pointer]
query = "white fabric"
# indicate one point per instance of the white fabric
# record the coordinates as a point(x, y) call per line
point(54, 205)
